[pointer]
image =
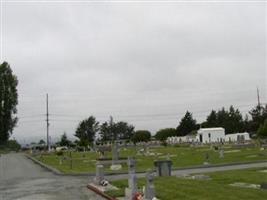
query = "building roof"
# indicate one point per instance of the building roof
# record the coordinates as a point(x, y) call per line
point(212, 129)
point(232, 134)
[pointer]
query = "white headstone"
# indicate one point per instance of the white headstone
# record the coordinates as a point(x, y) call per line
point(149, 189)
point(132, 181)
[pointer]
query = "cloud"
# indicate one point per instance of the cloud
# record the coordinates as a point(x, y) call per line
point(144, 63)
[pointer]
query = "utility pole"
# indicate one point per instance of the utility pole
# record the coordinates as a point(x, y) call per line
point(47, 124)
point(258, 95)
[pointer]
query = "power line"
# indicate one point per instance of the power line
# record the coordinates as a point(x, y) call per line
point(31, 116)
point(30, 121)
point(144, 115)
point(136, 117)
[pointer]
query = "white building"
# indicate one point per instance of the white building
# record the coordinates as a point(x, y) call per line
point(237, 137)
point(208, 135)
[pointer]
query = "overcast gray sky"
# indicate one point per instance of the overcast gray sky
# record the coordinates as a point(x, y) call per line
point(145, 63)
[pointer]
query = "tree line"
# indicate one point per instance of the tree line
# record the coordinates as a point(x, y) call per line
point(230, 119)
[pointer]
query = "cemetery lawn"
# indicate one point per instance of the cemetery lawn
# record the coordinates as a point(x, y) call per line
point(180, 156)
point(173, 188)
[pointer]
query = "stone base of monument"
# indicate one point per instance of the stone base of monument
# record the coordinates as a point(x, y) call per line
point(129, 196)
point(115, 167)
point(124, 198)
point(102, 188)
point(128, 193)
point(154, 198)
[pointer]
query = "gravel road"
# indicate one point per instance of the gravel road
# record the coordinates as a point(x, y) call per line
point(21, 179)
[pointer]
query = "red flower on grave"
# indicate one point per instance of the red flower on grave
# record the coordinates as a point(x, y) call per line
point(138, 196)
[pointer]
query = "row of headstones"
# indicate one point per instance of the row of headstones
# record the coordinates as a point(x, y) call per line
point(115, 150)
point(115, 153)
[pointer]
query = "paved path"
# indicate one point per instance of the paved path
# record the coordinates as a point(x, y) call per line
point(21, 179)
point(198, 170)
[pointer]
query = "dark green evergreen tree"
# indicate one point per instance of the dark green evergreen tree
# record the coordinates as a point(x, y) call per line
point(187, 125)
point(87, 130)
point(64, 141)
point(234, 123)
point(8, 102)
point(212, 119)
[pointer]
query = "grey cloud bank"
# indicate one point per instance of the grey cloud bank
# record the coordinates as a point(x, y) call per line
point(143, 63)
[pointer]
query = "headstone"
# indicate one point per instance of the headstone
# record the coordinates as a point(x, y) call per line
point(207, 159)
point(221, 153)
point(115, 167)
point(168, 157)
point(264, 185)
point(132, 181)
point(60, 161)
point(115, 157)
point(149, 189)
point(141, 152)
point(163, 167)
point(102, 149)
point(99, 176)
point(145, 149)
point(71, 163)
point(201, 177)
point(115, 153)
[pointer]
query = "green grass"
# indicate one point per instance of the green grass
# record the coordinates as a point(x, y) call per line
point(172, 188)
point(3, 151)
point(82, 162)
point(181, 157)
